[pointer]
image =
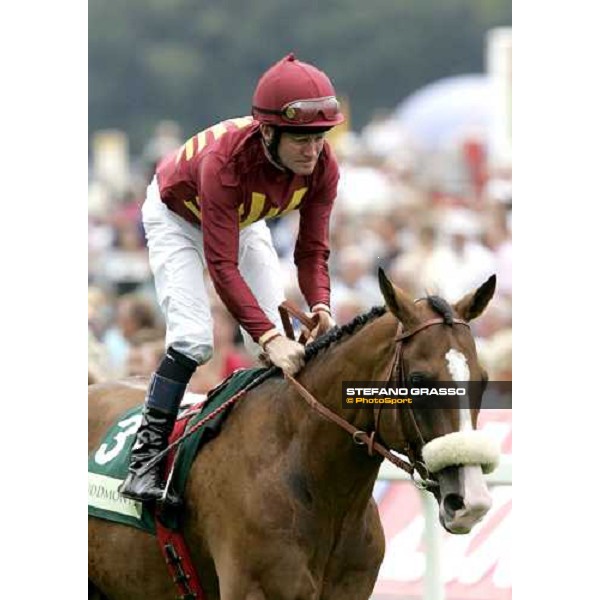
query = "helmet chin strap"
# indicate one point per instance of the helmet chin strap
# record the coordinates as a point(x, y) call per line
point(272, 149)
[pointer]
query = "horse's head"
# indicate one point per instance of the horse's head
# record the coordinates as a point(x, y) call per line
point(436, 345)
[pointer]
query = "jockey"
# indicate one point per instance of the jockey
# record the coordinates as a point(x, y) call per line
point(206, 207)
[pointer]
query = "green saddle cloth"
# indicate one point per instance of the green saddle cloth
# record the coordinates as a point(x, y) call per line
point(108, 464)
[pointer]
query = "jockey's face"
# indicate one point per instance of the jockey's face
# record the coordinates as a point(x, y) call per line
point(299, 152)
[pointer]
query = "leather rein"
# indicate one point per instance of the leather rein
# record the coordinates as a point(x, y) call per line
point(394, 372)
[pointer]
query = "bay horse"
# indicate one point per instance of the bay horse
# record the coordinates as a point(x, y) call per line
point(279, 505)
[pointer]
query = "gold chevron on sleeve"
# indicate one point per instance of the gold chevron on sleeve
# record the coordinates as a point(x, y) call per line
point(201, 137)
point(189, 148)
point(241, 122)
point(218, 130)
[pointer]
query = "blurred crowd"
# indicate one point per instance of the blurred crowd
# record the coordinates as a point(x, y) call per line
point(435, 231)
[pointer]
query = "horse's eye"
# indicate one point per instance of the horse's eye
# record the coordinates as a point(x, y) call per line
point(419, 378)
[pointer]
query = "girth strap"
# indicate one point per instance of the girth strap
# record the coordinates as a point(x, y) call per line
point(172, 543)
point(179, 562)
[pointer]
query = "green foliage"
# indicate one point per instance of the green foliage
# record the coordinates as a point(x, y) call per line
point(197, 61)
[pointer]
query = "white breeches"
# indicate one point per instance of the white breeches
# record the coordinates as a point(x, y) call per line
point(177, 261)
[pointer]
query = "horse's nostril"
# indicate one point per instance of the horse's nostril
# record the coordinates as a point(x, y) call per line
point(453, 502)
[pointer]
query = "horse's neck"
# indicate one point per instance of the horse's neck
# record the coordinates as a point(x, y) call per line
point(364, 356)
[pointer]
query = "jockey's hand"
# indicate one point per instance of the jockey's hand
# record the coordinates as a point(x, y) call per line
point(324, 324)
point(286, 354)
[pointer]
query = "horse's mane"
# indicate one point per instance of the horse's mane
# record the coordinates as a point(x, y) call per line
point(436, 303)
point(338, 333)
point(441, 307)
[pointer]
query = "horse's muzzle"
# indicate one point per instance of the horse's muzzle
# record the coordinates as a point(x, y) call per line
point(463, 497)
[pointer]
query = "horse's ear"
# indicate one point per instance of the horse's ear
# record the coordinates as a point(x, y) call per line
point(473, 304)
point(397, 301)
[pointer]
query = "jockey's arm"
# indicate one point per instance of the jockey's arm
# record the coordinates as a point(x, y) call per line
point(311, 254)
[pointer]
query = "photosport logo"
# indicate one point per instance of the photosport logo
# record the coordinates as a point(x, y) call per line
point(438, 394)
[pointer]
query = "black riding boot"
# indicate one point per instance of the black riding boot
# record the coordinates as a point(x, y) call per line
point(160, 412)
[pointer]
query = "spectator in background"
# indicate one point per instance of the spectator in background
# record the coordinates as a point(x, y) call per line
point(493, 338)
point(98, 366)
point(134, 313)
point(382, 134)
point(146, 349)
point(414, 269)
point(385, 232)
point(99, 312)
point(463, 264)
point(498, 240)
point(350, 306)
point(355, 276)
point(497, 317)
point(167, 138)
point(460, 261)
point(496, 356)
point(125, 266)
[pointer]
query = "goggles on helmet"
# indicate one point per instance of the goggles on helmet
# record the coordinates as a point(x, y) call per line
point(303, 112)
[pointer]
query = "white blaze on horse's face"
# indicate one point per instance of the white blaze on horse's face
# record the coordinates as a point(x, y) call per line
point(457, 365)
point(459, 371)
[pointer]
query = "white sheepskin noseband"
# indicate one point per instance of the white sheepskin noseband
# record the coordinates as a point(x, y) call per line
point(461, 448)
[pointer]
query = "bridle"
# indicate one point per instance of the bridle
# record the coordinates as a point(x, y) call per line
point(396, 375)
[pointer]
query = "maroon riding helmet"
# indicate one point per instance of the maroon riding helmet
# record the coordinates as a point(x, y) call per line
point(295, 95)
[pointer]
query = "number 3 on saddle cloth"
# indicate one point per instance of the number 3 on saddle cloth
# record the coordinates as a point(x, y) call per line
point(108, 464)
